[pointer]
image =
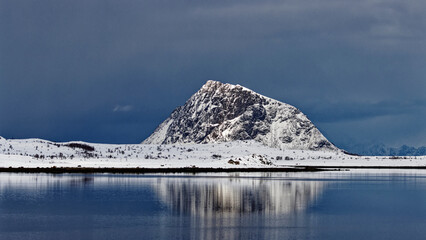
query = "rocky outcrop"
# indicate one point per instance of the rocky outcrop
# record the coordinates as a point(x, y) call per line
point(221, 112)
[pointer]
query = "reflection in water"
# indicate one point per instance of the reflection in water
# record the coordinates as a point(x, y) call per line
point(233, 196)
point(82, 181)
point(43, 181)
point(220, 206)
point(213, 206)
point(223, 208)
point(202, 196)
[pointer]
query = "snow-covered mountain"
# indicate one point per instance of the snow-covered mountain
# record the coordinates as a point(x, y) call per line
point(380, 149)
point(221, 112)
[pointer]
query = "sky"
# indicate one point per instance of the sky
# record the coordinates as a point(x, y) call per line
point(111, 71)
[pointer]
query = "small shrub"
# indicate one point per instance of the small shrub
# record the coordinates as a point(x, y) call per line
point(234, 162)
point(81, 146)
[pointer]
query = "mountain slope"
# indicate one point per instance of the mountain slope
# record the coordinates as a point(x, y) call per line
point(221, 112)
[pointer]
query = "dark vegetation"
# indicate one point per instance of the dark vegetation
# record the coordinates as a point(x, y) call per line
point(351, 154)
point(84, 147)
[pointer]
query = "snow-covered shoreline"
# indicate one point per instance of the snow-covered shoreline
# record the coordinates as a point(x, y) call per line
point(33, 153)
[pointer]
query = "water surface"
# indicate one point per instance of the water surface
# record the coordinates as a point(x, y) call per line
point(327, 205)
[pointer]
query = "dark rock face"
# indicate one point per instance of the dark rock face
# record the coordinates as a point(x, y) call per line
point(223, 112)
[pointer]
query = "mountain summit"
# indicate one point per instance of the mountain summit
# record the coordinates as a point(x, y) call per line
point(221, 112)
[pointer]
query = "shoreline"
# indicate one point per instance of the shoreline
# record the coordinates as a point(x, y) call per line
point(88, 170)
point(160, 170)
point(369, 167)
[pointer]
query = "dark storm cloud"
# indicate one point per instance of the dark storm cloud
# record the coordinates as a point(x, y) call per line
point(110, 71)
point(338, 112)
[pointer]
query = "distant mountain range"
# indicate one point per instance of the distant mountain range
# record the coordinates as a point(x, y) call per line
point(383, 150)
point(221, 112)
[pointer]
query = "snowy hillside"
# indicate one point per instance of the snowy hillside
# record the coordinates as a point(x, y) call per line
point(221, 112)
point(236, 154)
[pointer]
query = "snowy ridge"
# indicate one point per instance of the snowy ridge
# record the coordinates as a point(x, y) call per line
point(221, 112)
point(236, 154)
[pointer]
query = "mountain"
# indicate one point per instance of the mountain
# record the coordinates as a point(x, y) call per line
point(383, 150)
point(221, 112)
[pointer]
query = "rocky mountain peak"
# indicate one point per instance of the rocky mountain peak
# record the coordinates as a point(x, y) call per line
point(221, 112)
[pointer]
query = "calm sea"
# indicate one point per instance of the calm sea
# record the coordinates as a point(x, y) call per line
point(379, 204)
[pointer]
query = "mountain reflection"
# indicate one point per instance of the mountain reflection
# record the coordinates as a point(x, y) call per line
point(236, 196)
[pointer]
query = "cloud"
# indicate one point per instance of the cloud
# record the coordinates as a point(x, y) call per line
point(125, 108)
point(340, 62)
point(354, 111)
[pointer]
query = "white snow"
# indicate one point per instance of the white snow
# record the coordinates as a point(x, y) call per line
point(239, 154)
point(221, 112)
point(161, 131)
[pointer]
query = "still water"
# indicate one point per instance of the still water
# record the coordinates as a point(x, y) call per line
point(326, 205)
